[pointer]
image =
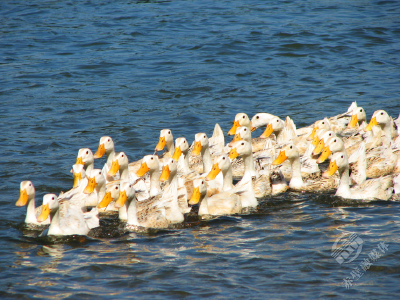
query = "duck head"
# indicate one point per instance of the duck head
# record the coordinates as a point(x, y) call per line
point(241, 119)
point(106, 145)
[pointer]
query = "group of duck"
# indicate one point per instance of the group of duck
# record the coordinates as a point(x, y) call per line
point(156, 191)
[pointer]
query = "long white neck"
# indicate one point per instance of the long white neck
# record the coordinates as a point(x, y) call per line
point(203, 208)
point(30, 211)
point(89, 167)
point(124, 172)
point(101, 191)
point(54, 228)
point(155, 188)
point(110, 157)
point(362, 168)
point(343, 189)
point(227, 180)
point(185, 163)
point(387, 129)
point(296, 181)
point(207, 161)
point(132, 212)
point(171, 148)
point(173, 179)
point(249, 169)
point(123, 213)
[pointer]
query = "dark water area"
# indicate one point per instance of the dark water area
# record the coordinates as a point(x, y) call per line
point(71, 72)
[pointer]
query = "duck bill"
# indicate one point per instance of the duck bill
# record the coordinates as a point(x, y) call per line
point(105, 201)
point(23, 198)
point(319, 147)
point(177, 153)
point(100, 151)
point(90, 186)
point(315, 141)
point(165, 173)
point(77, 179)
point(45, 213)
point(373, 122)
point(161, 143)
point(331, 170)
point(195, 196)
point(114, 168)
point(197, 148)
point(233, 154)
point(143, 169)
point(252, 127)
point(79, 161)
point(236, 138)
point(353, 121)
point(280, 159)
point(214, 172)
point(235, 125)
point(268, 131)
point(121, 199)
point(324, 155)
point(311, 136)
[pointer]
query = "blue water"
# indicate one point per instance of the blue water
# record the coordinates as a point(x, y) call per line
point(71, 72)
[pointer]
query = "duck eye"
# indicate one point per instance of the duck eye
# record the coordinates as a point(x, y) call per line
point(242, 143)
point(130, 186)
point(381, 113)
point(257, 117)
point(243, 117)
point(277, 121)
point(99, 173)
point(223, 157)
point(52, 198)
point(108, 140)
point(116, 188)
point(30, 184)
point(330, 134)
point(323, 122)
point(122, 155)
point(291, 147)
point(202, 182)
point(87, 152)
point(245, 129)
point(152, 158)
point(360, 110)
point(169, 132)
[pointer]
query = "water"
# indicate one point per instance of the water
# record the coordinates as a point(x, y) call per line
point(72, 72)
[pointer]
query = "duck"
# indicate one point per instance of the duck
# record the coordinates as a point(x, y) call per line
point(243, 133)
point(106, 146)
point(382, 119)
point(201, 146)
point(151, 217)
point(85, 157)
point(245, 185)
point(121, 163)
point(67, 219)
point(80, 181)
point(241, 119)
point(106, 204)
point(358, 119)
point(260, 120)
point(150, 164)
point(27, 198)
point(291, 153)
point(379, 188)
point(181, 155)
point(166, 139)
point(224, 203)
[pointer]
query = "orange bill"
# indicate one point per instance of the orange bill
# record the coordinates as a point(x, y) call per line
point(121, 199)
point(331, 170)
point(373, 122)
point(177, 153)
point(23, 198)
point(114, 168)
point(197, 148)
point(353, 121)
point(105, 201)
point(143, 169)
point(319, 147)
point(311, 136)
point(165, 173)
point(324, 155)
point(100, 151)
point(252, 127)
point(45, 213)
point(214, 172)
point(77, 179)
point(79, 161)
point(90, 186)
point(195, 196)
point(235, 125)
point(233, 154)
point(161, 143)
point(236, 138)
point(280, 159)
point(268, 131)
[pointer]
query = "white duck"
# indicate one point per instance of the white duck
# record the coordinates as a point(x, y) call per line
point(379, 188)
point(241, 119)
point(106, 146)
point(166, 139)
point(224, 203)
point(67, 219)
point(27, 197)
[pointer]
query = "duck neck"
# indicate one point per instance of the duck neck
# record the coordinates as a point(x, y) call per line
point(171, 148)
point(173, 179)
point(228, 180)
point(132, 212)
point(249, 170)
point(54, 228)
point(362, 167)
point(296, 181)
point(124, 172)
point(30, 211)
point(155, 188)
point(110, 157)
point(123, 212)
point(207, 161)
point(185, 166)
point(203, 207)
point(89, 167)
point(387, 129)
point(343, 189)
point(101, 191)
